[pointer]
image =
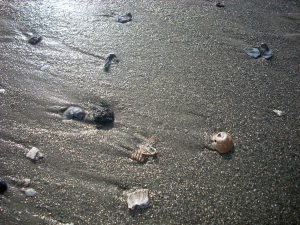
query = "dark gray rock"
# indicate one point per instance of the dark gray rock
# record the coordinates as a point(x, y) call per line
point(74, 113)
point(109, 60)
point(35, 40)
point(3, 187)
point(103, 115)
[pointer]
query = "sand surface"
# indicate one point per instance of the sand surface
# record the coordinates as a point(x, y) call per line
point(183, 75)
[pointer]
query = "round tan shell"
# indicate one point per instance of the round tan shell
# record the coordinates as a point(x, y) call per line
point(222, 142)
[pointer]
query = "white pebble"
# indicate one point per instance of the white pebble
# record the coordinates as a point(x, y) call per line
point(2, 91)
point(279, 112)
point(34, 154)
point(30, 192)
point(45, 67)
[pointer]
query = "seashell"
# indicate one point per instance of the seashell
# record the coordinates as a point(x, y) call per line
point(138, 198)
point(145, 151)
point(222, 142)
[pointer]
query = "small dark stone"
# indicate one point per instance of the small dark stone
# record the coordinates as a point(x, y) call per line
point(3, 187)
point(220, 5)
point(74, 113)
point(35, 40)
point(109, 60)
point(103, 115)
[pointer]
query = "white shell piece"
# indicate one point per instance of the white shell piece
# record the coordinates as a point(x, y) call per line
point(2, 91)
point(30, 192)
point(45, 67)
point(279, 112)
point(34, 154)
point(138, 198)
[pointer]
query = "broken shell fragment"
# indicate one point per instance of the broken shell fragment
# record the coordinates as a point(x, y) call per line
point(138, 199)
point(222, 142)
point(142, 154)
point(145, 151)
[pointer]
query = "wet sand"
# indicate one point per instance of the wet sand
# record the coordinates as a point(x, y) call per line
point(183, 75)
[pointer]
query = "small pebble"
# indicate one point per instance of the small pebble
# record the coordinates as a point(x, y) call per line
point(29, 192)
point(26, 182)
point(35, 40)
point(3, 187)
point(220, 5)
point(2, 91)
point(279, 112)
point(45, 67)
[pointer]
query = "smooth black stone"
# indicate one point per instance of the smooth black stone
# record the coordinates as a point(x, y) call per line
point(103, 115)
point(3, 187)
point(35, 40)
point(220, 5)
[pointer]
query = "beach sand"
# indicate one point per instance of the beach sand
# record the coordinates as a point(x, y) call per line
point(183, 75)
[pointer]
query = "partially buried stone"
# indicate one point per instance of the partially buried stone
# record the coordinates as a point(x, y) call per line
point(35, 40)
point(265, 51)
point(103, 115)
point(74, 113)
point(262, 51)
point(125, 18)
point(253, 53)
point(3, 187)
point(220, 5)
point(108, 61)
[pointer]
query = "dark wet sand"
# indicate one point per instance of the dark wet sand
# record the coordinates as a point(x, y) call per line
point(182, 76)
